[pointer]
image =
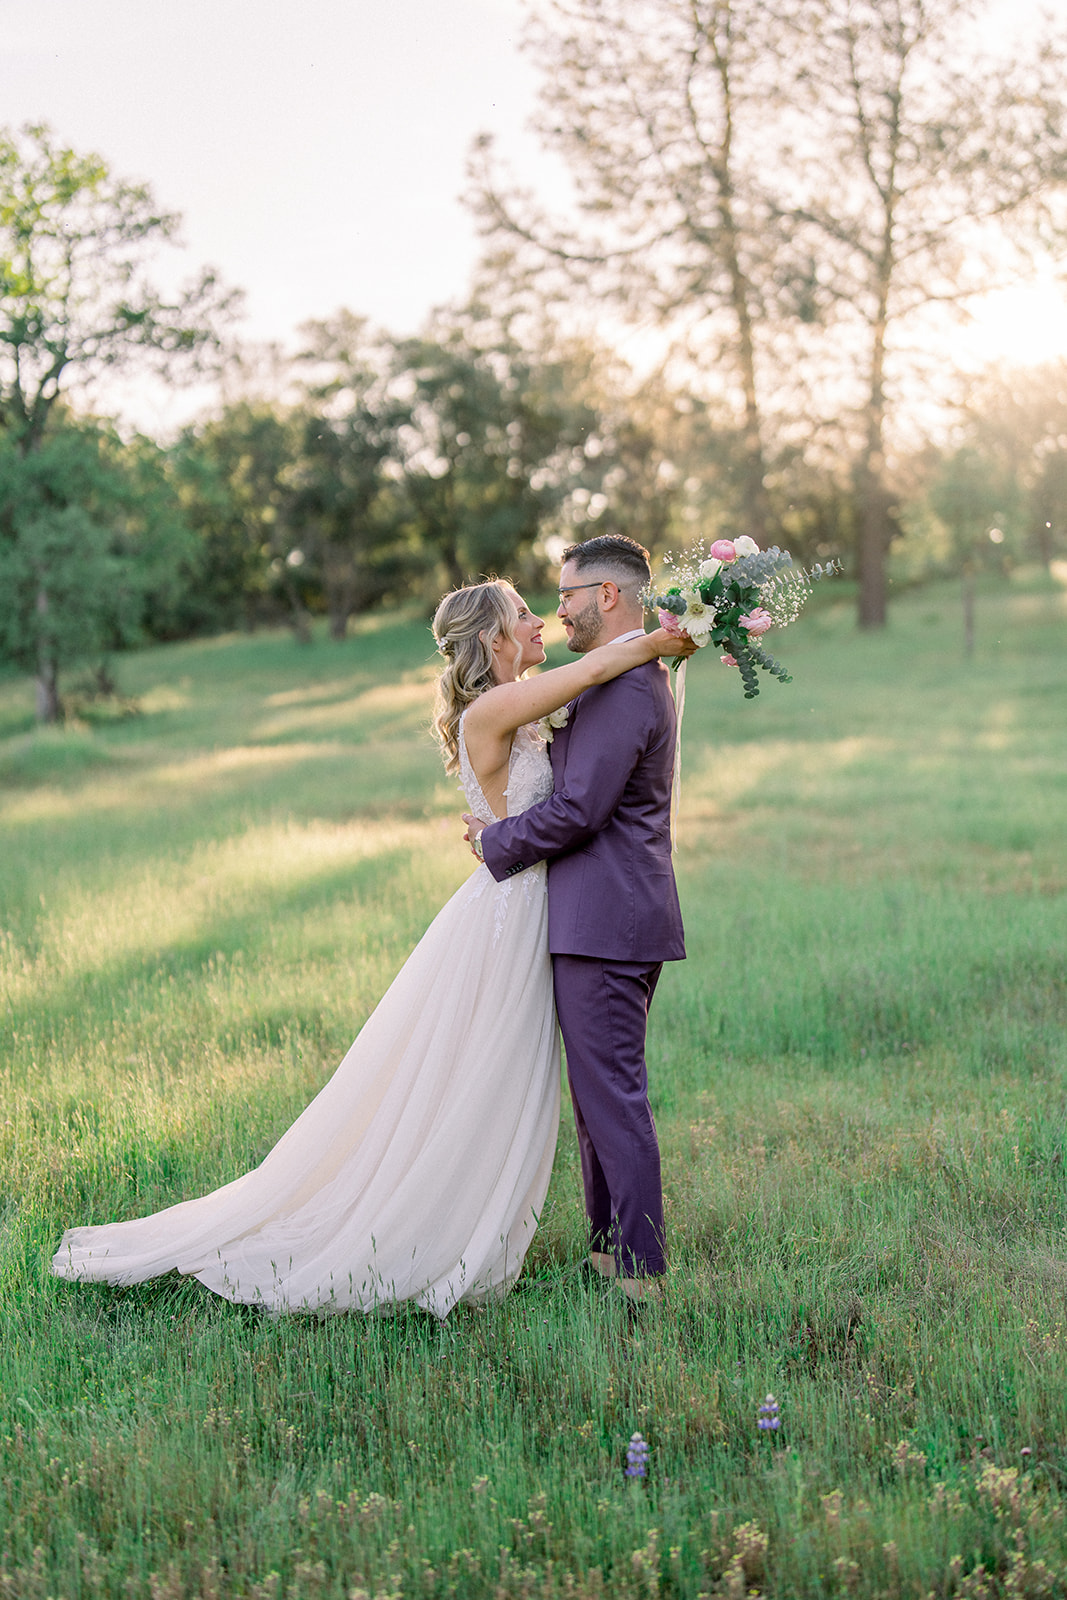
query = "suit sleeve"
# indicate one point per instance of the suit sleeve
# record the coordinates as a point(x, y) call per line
point(611, 729)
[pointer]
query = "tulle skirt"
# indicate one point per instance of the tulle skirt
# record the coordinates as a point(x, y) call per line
point(420, 1169)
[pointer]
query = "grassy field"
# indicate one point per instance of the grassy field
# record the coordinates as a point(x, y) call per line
point(859, 1082)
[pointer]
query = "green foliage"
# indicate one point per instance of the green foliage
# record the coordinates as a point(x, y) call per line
point(1017, 423)
point(73, 245)
point(90, 540)
point(977, 501)
point(391, 471)
point(347, 508)
point(494, 435)
point(656, 462)
point(858, 1078)
point(231, 476)
point(73, 301)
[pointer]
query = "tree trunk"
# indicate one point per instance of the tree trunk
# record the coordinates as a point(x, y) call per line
point(757, 504)
point(448, 545)
point(876, 522)
point(48, 707)
point(968, 610)
point(875, 532)
point(339, 584)
point(299, 620)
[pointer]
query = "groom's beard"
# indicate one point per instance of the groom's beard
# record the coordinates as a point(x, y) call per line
point(585, 629)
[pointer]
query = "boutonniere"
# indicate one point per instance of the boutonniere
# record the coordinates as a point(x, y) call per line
point(555, 719)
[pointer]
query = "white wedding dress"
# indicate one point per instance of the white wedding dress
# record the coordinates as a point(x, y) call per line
point(419, 1170)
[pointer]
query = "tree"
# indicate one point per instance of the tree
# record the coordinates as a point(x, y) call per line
point(231, 473)
point(492, 437)
point(661, 110)
point(93, 543)
point(346, 507)
point(976, 502)
point(655, 461)
point(796, 179)
point(299, 497)
point(75, 302)
point(240, 473)
point(929, 171)
point(1018, 417)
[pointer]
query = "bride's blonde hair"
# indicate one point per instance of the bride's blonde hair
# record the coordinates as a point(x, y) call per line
point(465, 625)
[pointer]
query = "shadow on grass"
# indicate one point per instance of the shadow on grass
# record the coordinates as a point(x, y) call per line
point(59, 1001)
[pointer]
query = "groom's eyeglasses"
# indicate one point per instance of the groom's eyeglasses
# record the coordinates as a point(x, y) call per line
point(565, 594)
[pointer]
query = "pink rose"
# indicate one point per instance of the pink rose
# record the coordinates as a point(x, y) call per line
point(728, 661)
point(757, 621)
point(668, 620)
point(723, 550)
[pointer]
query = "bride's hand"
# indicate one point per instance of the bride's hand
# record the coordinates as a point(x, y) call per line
point(667, 643)
point(473, 834)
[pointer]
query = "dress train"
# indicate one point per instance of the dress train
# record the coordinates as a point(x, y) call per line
point(420, 1169)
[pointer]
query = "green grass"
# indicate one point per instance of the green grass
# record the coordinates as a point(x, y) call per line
point(859, 1082)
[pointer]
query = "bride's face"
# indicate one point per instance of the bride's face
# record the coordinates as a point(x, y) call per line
point(512, 659)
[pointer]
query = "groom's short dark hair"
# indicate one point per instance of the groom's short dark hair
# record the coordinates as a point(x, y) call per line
point(615, 551)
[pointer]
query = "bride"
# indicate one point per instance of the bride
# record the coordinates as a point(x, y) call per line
point(419, 1170)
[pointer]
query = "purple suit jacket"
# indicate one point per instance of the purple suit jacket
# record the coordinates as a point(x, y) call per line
point(606, 831)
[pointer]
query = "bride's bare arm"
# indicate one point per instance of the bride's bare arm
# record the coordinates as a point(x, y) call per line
point(496, 714)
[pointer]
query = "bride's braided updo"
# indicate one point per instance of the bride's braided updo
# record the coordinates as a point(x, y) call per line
point(465, 625)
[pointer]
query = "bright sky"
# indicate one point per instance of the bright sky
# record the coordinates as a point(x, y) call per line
point(316, 148)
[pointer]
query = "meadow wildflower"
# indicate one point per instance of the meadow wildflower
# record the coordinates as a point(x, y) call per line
point(767, 1416)
point(637, 1457)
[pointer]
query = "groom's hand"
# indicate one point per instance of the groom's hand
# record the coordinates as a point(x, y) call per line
point(473, 835)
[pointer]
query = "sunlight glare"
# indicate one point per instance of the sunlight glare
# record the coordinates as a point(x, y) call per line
point(1024, 325)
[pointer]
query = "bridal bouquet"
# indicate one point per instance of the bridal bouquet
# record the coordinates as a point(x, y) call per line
point(730, 595)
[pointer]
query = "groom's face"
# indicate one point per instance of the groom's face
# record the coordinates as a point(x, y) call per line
point(579, 608)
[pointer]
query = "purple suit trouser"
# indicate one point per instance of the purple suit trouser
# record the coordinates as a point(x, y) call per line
point(603, 1012)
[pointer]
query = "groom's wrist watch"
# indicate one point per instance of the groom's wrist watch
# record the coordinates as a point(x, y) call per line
point(476, 846)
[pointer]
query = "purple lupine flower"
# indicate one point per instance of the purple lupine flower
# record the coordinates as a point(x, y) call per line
point(637, 1457)
point(767, 1416)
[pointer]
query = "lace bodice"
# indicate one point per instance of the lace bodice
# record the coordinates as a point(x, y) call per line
point(529, 775)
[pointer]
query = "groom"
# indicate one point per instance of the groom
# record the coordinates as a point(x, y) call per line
point(613, 916)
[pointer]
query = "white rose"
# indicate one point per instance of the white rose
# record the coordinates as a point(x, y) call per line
point(746, 546)
point(710, 567)
point(555, 719)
